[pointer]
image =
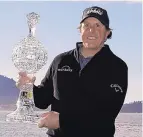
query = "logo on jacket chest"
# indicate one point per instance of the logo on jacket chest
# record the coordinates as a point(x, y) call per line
point(65, 68)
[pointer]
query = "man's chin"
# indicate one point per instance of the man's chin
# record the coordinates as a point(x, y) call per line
point(91, 46)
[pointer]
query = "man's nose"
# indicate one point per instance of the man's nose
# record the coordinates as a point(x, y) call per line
point(92, 29)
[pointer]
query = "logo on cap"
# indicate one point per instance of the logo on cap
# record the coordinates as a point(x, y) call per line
point(95, 10)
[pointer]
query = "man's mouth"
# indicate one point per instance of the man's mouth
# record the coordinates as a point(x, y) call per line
point(91, 38)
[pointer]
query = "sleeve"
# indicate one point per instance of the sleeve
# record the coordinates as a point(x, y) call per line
point(121, 85)
point(43, 93)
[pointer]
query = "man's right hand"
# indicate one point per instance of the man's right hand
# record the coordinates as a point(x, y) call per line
point(23, 78)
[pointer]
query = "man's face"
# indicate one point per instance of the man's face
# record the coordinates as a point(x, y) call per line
point(93, 33)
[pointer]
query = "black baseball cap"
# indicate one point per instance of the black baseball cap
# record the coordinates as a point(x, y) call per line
point(96, 12)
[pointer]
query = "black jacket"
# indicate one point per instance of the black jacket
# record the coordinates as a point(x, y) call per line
point(89, 100)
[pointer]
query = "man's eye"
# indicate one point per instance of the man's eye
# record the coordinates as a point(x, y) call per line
point(97, 25)
point(86, 25)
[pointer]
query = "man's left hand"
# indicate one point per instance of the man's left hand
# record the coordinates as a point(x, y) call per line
point(49, 120)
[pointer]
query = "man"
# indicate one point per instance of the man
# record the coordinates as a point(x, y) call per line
point(86, 87)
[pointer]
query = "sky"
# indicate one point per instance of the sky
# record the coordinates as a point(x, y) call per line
point(57, 31)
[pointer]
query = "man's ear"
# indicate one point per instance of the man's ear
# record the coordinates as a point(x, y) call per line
point(108, 32)
point(110, 35)
point(79, 28)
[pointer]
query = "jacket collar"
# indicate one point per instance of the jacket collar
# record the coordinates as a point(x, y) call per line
point(105, 51)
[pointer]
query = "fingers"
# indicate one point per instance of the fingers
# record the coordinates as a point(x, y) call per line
point(41, 123)
point(49, 120)
point(23, 78)
point(22, 74)
point(44, 114)
point(42, 120)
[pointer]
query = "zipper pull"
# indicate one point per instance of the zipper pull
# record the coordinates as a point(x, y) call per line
point(79, 73)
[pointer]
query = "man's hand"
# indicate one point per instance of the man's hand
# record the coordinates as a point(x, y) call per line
point(49, 120)
point(24, 78)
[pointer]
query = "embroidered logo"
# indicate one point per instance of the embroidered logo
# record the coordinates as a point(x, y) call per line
point(95, 10)
point(116, 87)
point(65, 68)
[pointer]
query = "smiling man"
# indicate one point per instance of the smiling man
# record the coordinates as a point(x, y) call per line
point(86, 86)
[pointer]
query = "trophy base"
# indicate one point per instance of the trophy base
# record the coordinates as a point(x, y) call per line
point(21, 116)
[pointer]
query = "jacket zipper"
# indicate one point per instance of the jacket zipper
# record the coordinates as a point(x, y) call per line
point(80, 73)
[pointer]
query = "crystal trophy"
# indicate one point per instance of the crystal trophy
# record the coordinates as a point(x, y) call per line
point(28, 56)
